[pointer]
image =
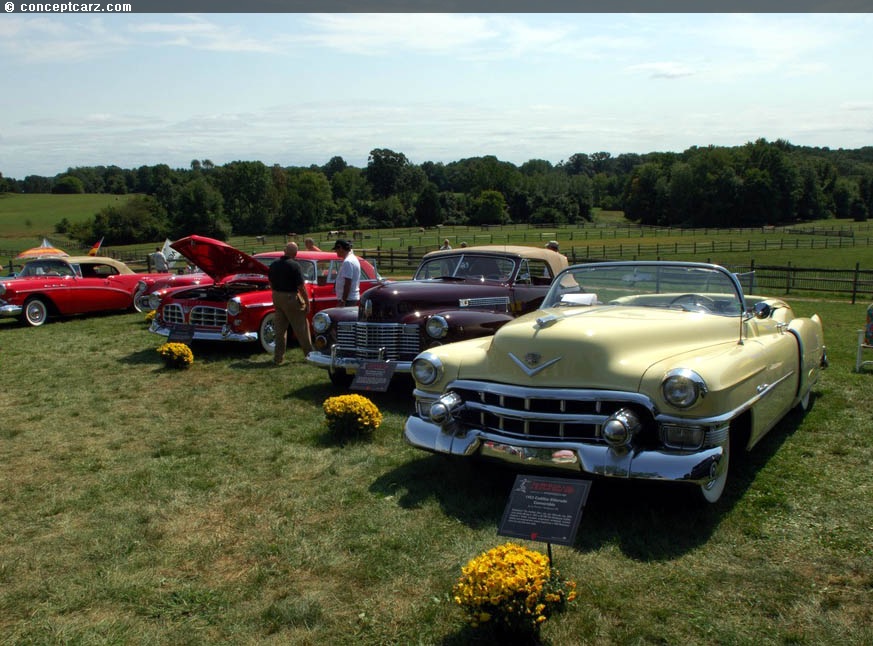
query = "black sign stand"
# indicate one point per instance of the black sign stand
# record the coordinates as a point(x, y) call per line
point(543, 509)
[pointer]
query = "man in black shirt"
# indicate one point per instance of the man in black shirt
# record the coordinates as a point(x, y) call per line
point(291, 301)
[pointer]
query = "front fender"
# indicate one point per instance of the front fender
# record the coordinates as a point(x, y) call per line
point(467, 324)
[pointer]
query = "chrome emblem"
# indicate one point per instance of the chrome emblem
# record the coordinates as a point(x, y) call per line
point(529, 365)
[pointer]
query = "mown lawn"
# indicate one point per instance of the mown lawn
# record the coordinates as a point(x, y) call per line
point(141, 505)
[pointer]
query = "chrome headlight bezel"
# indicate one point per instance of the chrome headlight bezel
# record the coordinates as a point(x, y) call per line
point(683, 388)
point(153, 300)
point(234, 306)
point(2, 288)
point(321, 322)
point(437, 327)
point(426, 369)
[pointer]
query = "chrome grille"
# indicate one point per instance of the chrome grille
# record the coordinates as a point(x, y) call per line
point(208, 316)
point(173, 314)
point(544, 413)
point(387, 341)
point(200, 315)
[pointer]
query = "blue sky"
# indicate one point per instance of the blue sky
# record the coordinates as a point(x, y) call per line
point(298, 89)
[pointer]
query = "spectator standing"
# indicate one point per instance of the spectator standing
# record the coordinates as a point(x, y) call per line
point(310, 245)
point(291, 301)
point(446, 246)
point(160, 260)
point(348, 279)
point(553, 245)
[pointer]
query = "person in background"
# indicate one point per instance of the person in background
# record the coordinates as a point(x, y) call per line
point(309, 243)
point(446, 245)
point(348, 279)
point(553, 245)
point(160, 260)
point(463, 245)
point(291, 301)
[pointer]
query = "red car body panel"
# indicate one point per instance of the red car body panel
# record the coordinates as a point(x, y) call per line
point(65, 286)
point(243, 279)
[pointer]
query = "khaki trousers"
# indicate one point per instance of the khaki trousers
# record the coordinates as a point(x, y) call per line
point(287, 313)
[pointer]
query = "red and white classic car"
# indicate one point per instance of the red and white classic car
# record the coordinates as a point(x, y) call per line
point(69, 285)
point(238, 305)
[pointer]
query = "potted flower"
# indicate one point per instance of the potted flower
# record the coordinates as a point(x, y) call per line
point(176, 355)
point(510, 591)
point(351, 416)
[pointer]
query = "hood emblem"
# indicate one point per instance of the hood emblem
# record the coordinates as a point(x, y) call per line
point(530, 363)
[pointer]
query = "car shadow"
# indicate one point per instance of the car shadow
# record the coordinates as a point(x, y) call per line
point(648, 521)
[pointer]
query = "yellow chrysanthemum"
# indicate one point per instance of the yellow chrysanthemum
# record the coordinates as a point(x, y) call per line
point(176, 355)
point(514, 586)
point(351, 416)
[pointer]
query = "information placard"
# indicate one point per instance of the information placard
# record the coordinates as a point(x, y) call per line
point(374, 376)
point(545, 509)
point(181, 334)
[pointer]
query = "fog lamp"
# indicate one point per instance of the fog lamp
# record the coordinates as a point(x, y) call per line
point(620, 427)
point(683, 437)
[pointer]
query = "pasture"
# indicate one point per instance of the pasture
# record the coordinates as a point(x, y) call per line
point(146, 505)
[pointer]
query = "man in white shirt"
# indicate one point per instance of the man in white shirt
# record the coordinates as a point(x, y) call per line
point(348, 279)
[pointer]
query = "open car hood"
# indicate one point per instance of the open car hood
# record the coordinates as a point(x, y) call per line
point(218, 259)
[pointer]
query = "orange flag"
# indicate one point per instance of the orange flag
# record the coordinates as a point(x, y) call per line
point(96, 247)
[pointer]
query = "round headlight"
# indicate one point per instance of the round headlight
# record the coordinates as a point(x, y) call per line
point(437, 327)
point(154, 301)
point(426, 368)
point(683, 388)
point(321, 322)
point(2, 288)
point(233, 306)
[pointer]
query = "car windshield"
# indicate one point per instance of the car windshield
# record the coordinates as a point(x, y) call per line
point(681, 286)
point(462, 266)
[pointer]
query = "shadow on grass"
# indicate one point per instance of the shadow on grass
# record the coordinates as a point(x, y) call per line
point(648, 521)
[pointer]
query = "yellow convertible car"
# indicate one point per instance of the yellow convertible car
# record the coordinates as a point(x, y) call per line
point(645, 370)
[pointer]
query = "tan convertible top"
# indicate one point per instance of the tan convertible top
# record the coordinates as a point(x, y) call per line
point(557, 261)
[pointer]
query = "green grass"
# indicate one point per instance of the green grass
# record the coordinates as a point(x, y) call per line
point(142, 505)
point(28, 218)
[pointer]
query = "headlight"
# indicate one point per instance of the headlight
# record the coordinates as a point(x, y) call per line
point(620, 428)
point(321, 322)
point(437, 327)
point(154, 301)
point(233, 306)
point(683, 388)
point(426, 368)
point(2, 288)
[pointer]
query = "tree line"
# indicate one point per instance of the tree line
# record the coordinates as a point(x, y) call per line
point(760, 183)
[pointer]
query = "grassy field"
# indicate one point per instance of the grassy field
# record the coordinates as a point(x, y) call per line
point(141, 505)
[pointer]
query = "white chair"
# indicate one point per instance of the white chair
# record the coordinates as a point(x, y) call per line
point(865, 342)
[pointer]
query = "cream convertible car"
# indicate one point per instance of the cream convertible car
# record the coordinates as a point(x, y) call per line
point(647, 370)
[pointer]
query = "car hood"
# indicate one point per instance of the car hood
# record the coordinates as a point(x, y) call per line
point(394, 301)
point(218, 259)
point(601, 347)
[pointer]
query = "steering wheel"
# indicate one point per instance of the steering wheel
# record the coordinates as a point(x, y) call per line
point(694, 302)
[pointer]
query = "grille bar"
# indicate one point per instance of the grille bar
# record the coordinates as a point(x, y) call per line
point(387, 341)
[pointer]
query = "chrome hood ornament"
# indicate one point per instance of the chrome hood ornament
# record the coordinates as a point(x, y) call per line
point(530, 365)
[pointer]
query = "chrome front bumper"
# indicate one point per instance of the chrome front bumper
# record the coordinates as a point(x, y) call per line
point(600, 460)
point(11, 310)
point(199, 335)
point(349, 364)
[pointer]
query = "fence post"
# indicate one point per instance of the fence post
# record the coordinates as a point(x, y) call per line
point(788, 278)
point(855, 282)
